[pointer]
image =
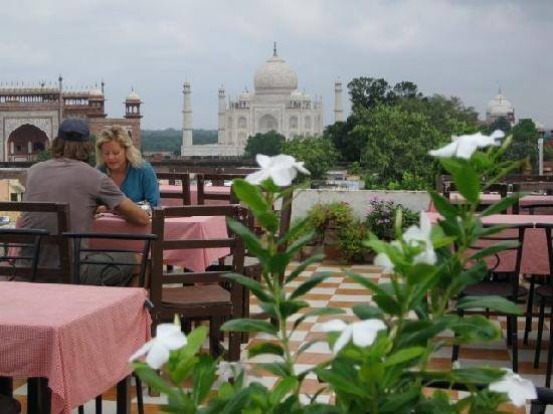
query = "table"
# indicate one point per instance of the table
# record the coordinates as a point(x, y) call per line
point(491, 198)
point(196, 227)
point(535, 259)
point(77, 337)
point(177, 189)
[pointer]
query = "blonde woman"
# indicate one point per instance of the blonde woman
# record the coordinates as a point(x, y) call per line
point(120, 160)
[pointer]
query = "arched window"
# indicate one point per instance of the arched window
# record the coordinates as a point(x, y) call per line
point(293, 122)
point(242, 122)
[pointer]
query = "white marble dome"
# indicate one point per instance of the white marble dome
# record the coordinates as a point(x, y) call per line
point(133, 96)
point(275, 77)
point(499, 106)
point(95, 92)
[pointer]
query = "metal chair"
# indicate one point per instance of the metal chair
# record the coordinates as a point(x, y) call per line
point(203, 295)
point(501, 281)
point(175, 178)
point(52, 244)
point(113, 252)
point(20, 252)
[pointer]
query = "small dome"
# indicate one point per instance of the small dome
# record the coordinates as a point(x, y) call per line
point(275, 77)
point(133, 96)
point(95, 92)
point(499, 106)
point(245, 96)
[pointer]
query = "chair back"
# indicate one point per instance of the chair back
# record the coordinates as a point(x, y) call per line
point(108, 255)
point(176, 178)
point(61, 210)
point(20, 252)
point(217, 180)
point(162, 277)
point(505, 266)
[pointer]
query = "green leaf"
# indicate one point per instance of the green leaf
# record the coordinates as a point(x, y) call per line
point(265, 348)
point(290, 307)
point(303, 266)
point(468, 184)
point(367, 283)
point(283, 387)
point(404, 355)
point(310, 283)
point(442, 205)
point(203, 378)
point(276, 368)
point(367, 311)
point(494, 303)
point(152, 378)
point(255, 287)
point(317, 312)
point(249, 194)
point(500, 206)
point(278, 263)
point(252, 243)
point(249, 325)
point(388, 304)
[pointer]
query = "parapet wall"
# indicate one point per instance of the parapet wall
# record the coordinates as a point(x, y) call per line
point(358, 199)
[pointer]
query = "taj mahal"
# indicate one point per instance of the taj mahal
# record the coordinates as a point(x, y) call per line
point(276, 104)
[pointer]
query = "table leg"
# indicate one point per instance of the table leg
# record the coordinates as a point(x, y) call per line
point(124, 396)
point(6, 386)
point(39, 396)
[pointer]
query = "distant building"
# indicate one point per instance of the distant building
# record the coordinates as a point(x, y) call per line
point(500, 107)
point(275, 104)
point(30, 116)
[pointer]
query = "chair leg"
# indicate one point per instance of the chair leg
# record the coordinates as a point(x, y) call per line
point(214, 336)
point(514, 340)
point(139, 399)
point(541, 317)
point(99, 404)
point(529, 309)
point(234, 346)
point(81, 409)
point(549, 353)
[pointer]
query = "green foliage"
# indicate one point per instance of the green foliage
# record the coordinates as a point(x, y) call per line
point(524, 145)
point(170, 139)
point(369, 93)
point(269, 143)
point(398, 142)
point(382, 216)
point(318, 154)
point(351, 237)
point(321, 216)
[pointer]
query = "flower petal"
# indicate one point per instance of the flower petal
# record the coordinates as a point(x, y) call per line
point(157, 356)
point(170, 336)
point(257, 177)
point(342, 340)
point(364, 332)
point(142, 350)
point(334, 325)
point(517, 388)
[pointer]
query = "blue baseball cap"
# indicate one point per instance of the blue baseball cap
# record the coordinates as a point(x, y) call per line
point(74, 129)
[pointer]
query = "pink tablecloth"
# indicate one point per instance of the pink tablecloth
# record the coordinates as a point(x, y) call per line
point(79, 337)
point(197, 227)
point(193, 194)
point(488, 199)
point(535, 258)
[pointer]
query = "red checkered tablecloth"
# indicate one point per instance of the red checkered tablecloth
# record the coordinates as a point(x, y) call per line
point(79, 337)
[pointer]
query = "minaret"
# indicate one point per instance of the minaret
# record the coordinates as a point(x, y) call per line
point(222, 116)
point(186, 119)
point(60, 108)
point(338, 110)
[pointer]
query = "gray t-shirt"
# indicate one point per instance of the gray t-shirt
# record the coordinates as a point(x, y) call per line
point(65, 180)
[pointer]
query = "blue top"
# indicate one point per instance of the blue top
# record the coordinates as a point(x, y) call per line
point(140, 184)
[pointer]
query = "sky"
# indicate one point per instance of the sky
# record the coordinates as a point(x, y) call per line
point(464, 48)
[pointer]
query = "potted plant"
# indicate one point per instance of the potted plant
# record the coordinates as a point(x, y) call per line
point(382, 215)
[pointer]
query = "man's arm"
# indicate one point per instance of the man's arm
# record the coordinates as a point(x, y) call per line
point(132, 213)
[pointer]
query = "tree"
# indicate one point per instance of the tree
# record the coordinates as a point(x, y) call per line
point(501, 123)
point(269, 143)
point(397, 148)
point(370, 92)
point(346, 140)
point(524, 145)
point(318, 154)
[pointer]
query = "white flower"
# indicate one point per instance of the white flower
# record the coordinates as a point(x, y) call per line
point(517, 388)
point(420, 234)
point(281, 168)
point(362, 333)
point(168, 338)
point(465, 145)
point(383, 260)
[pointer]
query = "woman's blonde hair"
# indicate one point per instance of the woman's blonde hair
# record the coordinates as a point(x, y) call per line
point(119, 135)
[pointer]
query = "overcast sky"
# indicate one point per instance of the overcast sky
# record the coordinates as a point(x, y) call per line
point(464, 48)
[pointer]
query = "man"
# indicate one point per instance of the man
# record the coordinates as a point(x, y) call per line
point(67, 178)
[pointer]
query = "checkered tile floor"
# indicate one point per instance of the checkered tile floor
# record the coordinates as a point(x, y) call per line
point(340, 292)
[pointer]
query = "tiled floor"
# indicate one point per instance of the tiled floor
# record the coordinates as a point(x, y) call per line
point(338, 291)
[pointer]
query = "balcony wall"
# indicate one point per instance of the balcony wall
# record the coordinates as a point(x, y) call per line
point(358, 199)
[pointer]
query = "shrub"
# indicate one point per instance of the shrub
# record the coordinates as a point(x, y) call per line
point(381, 218)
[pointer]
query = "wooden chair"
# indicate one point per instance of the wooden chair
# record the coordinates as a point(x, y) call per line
point(175, 178)
point(500, 281)
point(216, 180)
point(62, 273)
point(542, 188)
point(198, 295)
point(20, 252)
point(105, 245)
